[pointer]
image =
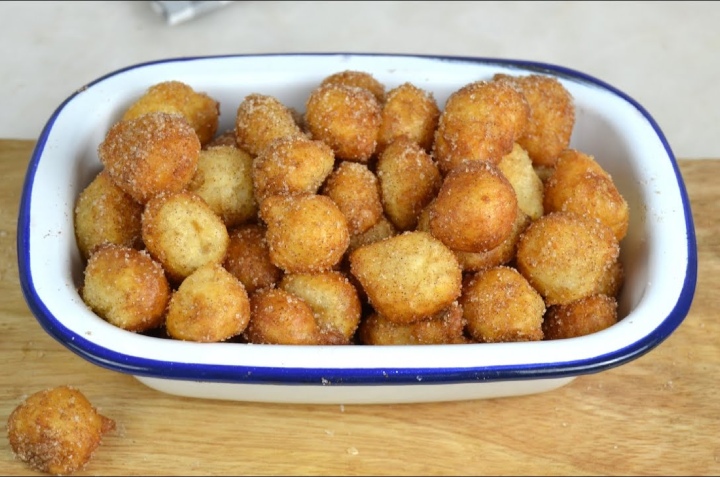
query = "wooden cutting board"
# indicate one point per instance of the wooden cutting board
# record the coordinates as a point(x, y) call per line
point(659, 414)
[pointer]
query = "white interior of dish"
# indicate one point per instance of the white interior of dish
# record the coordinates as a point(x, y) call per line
point(607, 127)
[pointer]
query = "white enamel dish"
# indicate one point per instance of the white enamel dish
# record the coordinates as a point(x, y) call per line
point(659, 252)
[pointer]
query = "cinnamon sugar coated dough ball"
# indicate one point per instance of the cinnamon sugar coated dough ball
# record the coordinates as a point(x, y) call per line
point(581, 317)
point(226, 138)
point(291, 165)
point(305, 233)
point(408, 112)
point(200, 110)
point(248, 257)
point(224, 181)
point(446, 327)
point(346, 118)
point(409, 180)
point(210, 305)
point(475, 208)
point(153, 153)
point(126, 287)
point(333, 299)
point(499, 305)
point(407, 277)
point(383, 228)
point(480, 122)
point(57, 430)
point(183, 233)
point(281, 317)
point(517, 167)
point(566, 256)
point(359, 79)
point(552, 116)
point(356, 191)
point(261, 119)
point(579, 184)
point(104, 213)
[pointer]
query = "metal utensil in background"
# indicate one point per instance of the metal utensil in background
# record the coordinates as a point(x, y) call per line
point(176, 12)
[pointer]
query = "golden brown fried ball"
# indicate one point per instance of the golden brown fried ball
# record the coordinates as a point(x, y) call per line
point(200, 110)
point(104, 213)
point(408, 112)
point(333, 299)
point(356, 191)
point(499, 305)
point(305, 233)
point(209, 306)
point(281, 317)
point(407, 277)
point(224, 181)
point(475, 208)
point(153, 153)
point(481, 122)
point(226, 138)
point(409, 180)
point(183, 233)
point(581, 317)
point(261, 119)
point(612, 280)
point(347, 118)
point(580, 185)
point(383, 228)
point(518, 169)
point(57, 430)
point(248, 258)
point(566, 256)
point(292, 165)
point(126, 287)
point(359, 79)
point(446, 327)
point(552, 116)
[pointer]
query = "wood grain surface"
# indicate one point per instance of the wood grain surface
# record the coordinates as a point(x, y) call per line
point(657, 415)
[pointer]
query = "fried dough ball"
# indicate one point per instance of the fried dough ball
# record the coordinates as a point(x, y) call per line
point(227, 138)
point(183, 233)
point(292, 165)
point(409, 112)
point(347, 118)
point(518, 169)
point(481, 122)
point(552, 116)
point(153, 153)
point(126, 287)
point(356, 191)
point(200, 110)
point(407, 277)
point(383, 228)
point(281, 317)
point(248, 258)
point(104, 213)
point(57, 430)
point(305, 233)
point(612, 280)
point(360, 79)
point(209, 306)
point(475, 208)
point(566, 256)
point(409, 180)
point(446, 327)
point(333, 299)
point(499, 305)
point(580, 317)
point(580, 185)
point(224, 181)
point(260, 120)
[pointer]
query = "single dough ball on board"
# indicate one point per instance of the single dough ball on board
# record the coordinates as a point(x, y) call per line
point(126, 287)
point(200, 110)
point(57, 430)
point(153, 153)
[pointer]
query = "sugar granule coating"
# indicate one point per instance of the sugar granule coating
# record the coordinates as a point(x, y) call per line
point(260, 119)
point(57, 430)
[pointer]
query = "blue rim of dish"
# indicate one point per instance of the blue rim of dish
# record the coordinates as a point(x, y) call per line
point(127, 364)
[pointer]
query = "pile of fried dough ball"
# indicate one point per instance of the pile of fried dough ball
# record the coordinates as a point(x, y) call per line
point(57, 430)
point(373, 217)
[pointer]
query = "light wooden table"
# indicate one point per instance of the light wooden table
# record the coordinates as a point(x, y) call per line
point(657, 415)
